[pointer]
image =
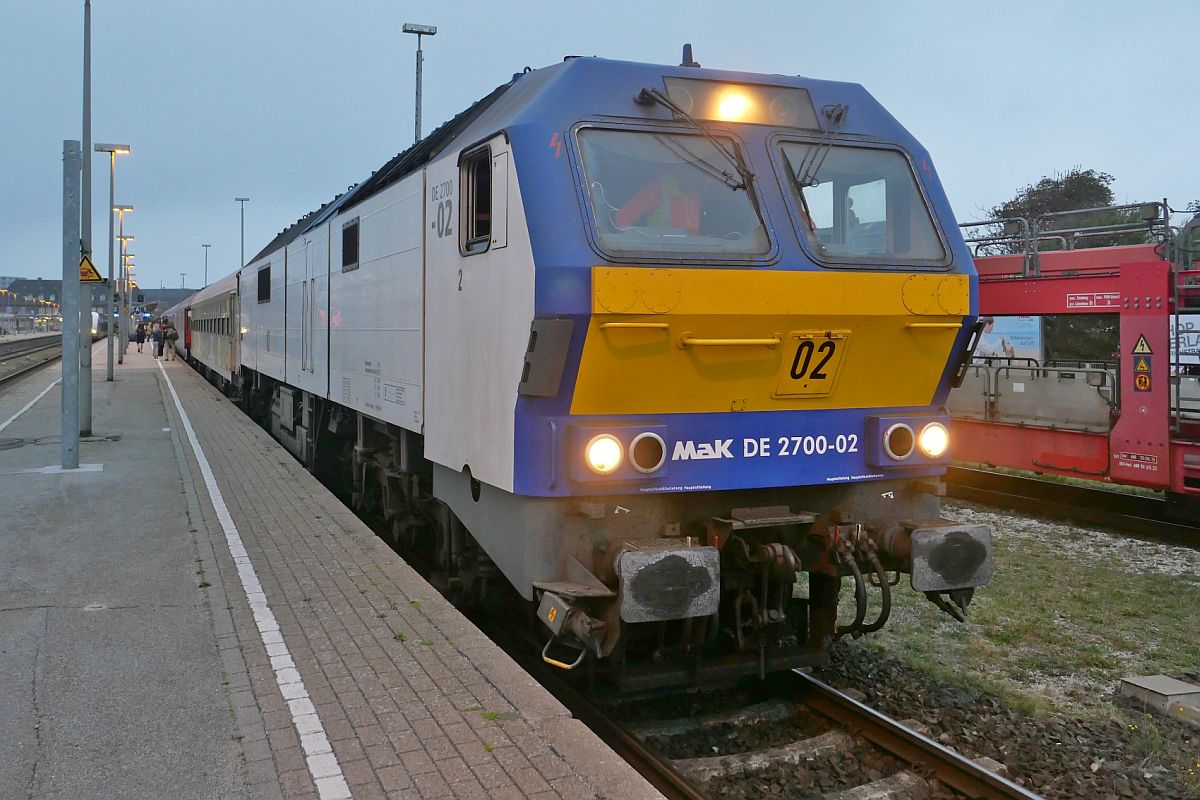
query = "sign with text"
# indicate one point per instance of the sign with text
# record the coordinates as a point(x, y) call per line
point(1188, 336)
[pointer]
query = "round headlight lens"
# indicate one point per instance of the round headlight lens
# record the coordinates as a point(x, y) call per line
point(898, 441)
point(647, 452)
point(934, 440)
point(603, 454)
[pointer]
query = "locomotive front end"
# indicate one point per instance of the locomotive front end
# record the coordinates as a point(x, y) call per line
point(757, 386)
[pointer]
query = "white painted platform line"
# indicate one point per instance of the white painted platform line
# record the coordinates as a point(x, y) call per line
point(29, 405)
point(322, 763)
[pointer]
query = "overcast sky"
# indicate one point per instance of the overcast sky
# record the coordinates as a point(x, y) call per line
point(289, 103)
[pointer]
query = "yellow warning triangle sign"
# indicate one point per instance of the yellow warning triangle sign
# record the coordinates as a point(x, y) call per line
point(1141, 365)
point(1142, 348)
point(88, 272)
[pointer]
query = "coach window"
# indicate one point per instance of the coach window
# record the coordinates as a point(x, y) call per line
point(350, 245)
point(264, 284)
point(475, 182)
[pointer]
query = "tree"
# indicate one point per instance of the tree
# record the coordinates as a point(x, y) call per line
point(1072, 190)
point(1070, 337)
point(1064, 191)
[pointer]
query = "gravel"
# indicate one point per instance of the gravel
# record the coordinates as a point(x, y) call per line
point(1136, 555)
point(1128, 755)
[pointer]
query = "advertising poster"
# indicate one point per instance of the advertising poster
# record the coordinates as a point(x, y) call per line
point(1011, 337)
point(1188, 334)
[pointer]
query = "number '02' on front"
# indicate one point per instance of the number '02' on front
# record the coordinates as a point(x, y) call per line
point(810, 363)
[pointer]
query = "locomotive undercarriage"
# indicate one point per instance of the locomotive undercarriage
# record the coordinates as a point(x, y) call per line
point(646, 590)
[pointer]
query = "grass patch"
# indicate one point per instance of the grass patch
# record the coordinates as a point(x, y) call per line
point(1069, 612)
point(399, 637)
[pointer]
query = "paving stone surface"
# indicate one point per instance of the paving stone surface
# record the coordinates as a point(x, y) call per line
point(414, 700)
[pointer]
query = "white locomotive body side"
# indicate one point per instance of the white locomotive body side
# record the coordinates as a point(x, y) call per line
point(478, 311)
point(375, 309)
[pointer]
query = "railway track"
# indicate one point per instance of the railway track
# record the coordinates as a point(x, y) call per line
point(15, 364)
point(847, 722)
point(1142, 516)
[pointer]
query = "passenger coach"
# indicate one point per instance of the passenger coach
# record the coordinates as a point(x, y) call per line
point(644, 342)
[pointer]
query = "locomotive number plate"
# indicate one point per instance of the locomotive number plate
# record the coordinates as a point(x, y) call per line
point(811, 361)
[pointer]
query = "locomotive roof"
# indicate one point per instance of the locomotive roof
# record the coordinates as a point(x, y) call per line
point(575, 88)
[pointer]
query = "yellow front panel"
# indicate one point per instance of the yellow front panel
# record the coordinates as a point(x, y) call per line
point(666, 341)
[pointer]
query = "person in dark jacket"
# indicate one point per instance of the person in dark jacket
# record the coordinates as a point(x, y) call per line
point(157, 336)
point(139, 335)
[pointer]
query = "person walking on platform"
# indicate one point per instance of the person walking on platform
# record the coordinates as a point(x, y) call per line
point(157, 336)
point(139, 335)
point(170, 336)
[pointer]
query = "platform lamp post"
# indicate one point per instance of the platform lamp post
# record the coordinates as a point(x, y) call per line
point(243, 201)
point(121, 212)
point(127, 272)
point(206, 246)
point(112, 150)
point(419, 30)
point(120, 282)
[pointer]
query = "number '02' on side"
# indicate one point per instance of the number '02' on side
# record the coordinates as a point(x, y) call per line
point(810, 362)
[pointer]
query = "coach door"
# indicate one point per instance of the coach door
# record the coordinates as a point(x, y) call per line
point(231, 330)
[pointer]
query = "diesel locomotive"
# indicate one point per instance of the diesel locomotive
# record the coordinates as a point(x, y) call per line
point(666, 349)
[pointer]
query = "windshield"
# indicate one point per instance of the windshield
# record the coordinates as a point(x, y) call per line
point(862, 204)
point(668, 193)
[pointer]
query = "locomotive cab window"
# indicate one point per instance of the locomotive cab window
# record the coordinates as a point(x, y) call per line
point(264, 284)
point(350, 245)
point(669, 193)
point(475, 184)
point(861, 205)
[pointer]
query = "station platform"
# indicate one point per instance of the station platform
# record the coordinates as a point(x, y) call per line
point(192, 615)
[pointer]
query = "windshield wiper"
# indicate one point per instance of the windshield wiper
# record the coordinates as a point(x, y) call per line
point(649, 96)
point(814, 157)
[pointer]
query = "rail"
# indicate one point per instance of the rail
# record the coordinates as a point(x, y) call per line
point(53, 352)
point(1140, 515)
point(951, 768)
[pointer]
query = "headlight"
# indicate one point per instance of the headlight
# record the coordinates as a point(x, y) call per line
point(603, 454)
point(647, 452)
point(934, 440)
point(733, 105)
point(898, 441)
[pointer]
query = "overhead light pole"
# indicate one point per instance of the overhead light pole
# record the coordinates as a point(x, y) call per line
point(206, 246)
point(119, 300)
point(127, 271)
point(419, 30)
point(243, 201)
point(112, 150)
point(85, 234)
point(69, 407)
